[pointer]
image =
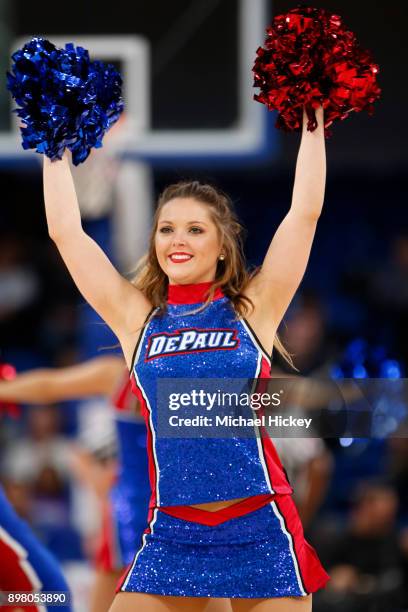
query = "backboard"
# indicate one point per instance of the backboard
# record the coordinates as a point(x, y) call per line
point(186, 68)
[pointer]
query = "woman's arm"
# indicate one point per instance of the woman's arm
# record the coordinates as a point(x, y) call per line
point(285, 263)
point(118, 302)
point(99, 376)
point(316, 476)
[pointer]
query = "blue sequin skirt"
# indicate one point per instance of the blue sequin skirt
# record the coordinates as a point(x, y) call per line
point(259, 555)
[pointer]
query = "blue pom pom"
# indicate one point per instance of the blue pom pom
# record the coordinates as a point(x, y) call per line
point(65, 99)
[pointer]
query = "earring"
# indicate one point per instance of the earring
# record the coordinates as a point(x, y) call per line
point(221, 257)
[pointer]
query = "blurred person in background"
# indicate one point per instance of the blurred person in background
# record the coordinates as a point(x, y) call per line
point(39, 461)
point(368, 564)
point(306, 335)
point(307, 460)
point(99, 376)
point(31, 314)
point(383, 284)
point(20, 289)
point(26, 566)
point(309, 466)
point(388, 290)
point(398, 471)
point(123, 510)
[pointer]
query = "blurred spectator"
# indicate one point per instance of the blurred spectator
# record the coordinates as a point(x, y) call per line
point(382, 289)
point(93, 466)
point(305, 334)
point(307, 460)
point(398, 467)
point(35, 470)
point(41, 457)
point(388, 287)
point(366, 562)
point(308, 464)
point(390, 280)
point(19, 290)
point(36, 298)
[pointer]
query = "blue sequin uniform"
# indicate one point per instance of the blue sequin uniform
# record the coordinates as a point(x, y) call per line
point(208, 344)
point(260, 554)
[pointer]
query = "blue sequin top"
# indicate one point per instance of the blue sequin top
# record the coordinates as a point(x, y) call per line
point(209, 344)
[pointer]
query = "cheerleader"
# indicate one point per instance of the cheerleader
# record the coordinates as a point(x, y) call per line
point(222, 524)
point(124, 512)
point(26, 566)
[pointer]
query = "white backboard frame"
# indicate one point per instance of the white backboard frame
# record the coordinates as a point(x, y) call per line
point(246, 138)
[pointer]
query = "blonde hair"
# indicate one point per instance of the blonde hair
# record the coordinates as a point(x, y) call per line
point(231, 273)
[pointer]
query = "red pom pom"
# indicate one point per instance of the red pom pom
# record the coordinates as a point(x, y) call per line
point(8, 372)
point(309, 60)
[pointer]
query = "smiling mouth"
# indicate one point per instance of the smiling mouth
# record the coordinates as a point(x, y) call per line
point(180, 257)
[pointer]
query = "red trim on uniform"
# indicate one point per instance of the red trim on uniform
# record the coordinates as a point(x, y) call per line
point(150, 514)
point(149, 446)
point(123, 577)
point(128, 569)
point(276, 472)
point(277, 476)
point(191, 294)
point(135, 388)
point(106, 558)
point(13, 576)
point(207, 517)
point(313, 575)
point(265, 369)
point(121, 399)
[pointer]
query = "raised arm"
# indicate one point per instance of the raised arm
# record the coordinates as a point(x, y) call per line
point(273, 288)
point(118, 302)
point(97, 376)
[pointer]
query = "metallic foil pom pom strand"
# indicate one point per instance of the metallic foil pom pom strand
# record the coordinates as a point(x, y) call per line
point(64, 99)
point(311, 59)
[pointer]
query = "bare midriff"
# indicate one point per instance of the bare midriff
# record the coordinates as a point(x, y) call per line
point(214, 506)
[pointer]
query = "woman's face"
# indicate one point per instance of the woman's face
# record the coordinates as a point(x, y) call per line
point(187, 242)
